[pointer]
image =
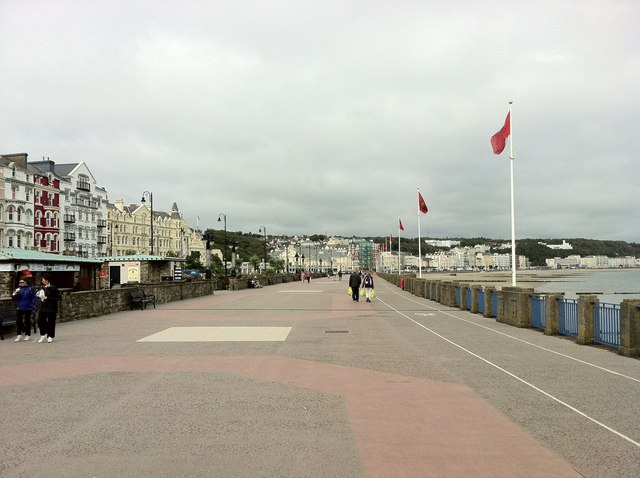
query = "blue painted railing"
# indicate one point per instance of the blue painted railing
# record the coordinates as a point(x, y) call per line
point(494, 303)
point(469, 298)
point(481, 301)
point(538, 312)
point(606, 324)
point(568, 317)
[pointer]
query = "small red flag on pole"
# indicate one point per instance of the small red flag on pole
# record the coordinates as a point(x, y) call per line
point(499, 140)
point(422, 205)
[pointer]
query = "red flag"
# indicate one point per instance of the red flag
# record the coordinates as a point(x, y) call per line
point(422, 205)
point(499, 139)
point(401, 226)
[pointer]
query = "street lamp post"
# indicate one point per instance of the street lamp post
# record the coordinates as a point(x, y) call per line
point(143, 201)
point(263, 230)
point(114, 227)
point(224, 255)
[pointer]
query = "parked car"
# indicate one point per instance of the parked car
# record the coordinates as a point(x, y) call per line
point(191, 274)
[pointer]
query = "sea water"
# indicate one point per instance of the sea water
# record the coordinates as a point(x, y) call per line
point(611, 286)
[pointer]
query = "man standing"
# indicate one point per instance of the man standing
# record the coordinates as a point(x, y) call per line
point(49, 295)
point(354, 283)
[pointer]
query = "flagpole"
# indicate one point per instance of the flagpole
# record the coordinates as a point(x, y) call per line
point(419, 240)
point(390, 253)
point(398, 245)
point(513, 221)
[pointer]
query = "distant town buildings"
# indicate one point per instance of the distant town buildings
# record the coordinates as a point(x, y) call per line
point(592, 262)
point(564, 246)
point(442, 243)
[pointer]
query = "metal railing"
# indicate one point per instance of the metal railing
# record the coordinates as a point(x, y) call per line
point(568, 317)
point(538, 312)
point(606, 324)
point(494, 303)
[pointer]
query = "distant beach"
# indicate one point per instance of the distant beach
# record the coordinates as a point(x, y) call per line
point(611, 285)
point(499, 279)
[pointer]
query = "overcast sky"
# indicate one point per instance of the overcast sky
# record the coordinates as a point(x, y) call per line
point(324, 117)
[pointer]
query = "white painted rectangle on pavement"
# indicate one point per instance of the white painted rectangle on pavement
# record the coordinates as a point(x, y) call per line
point(296, 291)
point(220, 334)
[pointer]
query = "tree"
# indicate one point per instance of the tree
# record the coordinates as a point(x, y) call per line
point(255, 260)
point(193, 261)
point(277, 264)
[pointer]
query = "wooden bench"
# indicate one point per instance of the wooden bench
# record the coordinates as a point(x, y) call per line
point(138, 297)
point(8, 318)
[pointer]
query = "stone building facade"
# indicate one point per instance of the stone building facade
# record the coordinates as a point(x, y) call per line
point(16, 202)
point(130, 232)
point(83, 207)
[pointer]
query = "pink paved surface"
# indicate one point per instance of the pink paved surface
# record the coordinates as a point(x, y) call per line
point(403, 426)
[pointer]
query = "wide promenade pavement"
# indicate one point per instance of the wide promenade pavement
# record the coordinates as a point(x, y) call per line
point(297, 380)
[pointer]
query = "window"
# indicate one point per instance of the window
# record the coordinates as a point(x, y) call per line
point(83, 182)
point(10, 211)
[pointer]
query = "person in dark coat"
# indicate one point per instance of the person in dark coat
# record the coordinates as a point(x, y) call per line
point(49, 295)
point(25, 298)
point(368, 285)
point(354, 283)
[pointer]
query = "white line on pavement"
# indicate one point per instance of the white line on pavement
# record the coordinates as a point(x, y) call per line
point(615, 432)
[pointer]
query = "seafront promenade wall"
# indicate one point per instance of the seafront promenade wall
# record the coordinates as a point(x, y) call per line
point(514, 306)
point(96, 303)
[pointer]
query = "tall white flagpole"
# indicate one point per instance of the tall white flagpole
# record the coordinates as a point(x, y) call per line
point(419, 239)
point(398, 245)
point(390, 253)
point(513, 215)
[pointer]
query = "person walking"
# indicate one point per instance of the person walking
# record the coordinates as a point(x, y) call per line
point(354, 283)
point(368, 285)
point(49, 295)
point(25, 298)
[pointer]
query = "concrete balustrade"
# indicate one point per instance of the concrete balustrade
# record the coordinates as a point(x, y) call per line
point(630, 328)
point(551, 313)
